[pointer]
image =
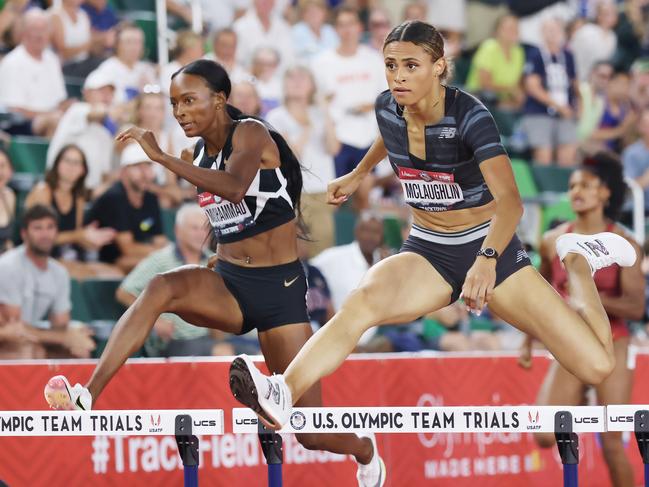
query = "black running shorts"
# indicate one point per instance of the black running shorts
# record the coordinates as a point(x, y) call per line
point(268, 296)
point(453, 254)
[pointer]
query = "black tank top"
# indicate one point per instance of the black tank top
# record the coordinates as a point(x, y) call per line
point(67, 223)
point(266, 205)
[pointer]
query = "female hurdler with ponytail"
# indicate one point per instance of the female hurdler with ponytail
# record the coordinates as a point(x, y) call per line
point(249, 183)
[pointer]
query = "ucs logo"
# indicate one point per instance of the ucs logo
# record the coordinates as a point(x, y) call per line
point(206, 422)
point(245, 421)
point(587, 420)
point(620, 419)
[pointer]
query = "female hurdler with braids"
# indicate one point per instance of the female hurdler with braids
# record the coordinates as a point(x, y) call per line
point(249, 183)
point(597, 191)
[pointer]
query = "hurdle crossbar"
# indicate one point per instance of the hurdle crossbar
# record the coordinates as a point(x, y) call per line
point(113, 423)
point(463, 419)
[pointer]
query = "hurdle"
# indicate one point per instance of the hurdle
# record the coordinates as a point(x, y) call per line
point(184, 424)
point(565, 422)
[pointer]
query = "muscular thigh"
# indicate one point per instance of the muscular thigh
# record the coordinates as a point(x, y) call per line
point(201, 298)
point(528, 302)
point(401, 288)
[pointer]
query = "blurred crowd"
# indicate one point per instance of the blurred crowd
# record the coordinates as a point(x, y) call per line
point(563, 79)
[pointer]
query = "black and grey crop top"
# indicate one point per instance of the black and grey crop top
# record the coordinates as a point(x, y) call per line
point(450, 177)
point(266, 205)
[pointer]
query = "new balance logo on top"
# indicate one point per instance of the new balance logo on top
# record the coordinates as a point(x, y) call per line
point(447, 133)
point(597, 247)
point(520, 255)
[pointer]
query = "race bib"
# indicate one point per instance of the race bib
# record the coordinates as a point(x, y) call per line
point(225, 217)
point(430, 191)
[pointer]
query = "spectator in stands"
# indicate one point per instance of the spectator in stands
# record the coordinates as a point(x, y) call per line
point(103, 23)
point(268, 82)
point(150, 115)
point(91, 124)
point(244, 96)
point(640, 83)
point(9, 15)
point(344, 266)
point(35, 288)
point(188, 47)
point(7, 203)
point(216, 15)
point(482, 16)
point(224, 50)
point(172, 335)
point(593, 99)
point(126, 67)
point(379, 26)
point(350, 77)
point(260, 28)
point(415, 10)
point(450, 19)
point(310, 131)
point(64, 191)
point(635, 158)
point(312, 35)
point(31, 81)
point(595, 41)
point(497, 67)
point(552, 92)
point(132, 210)
point(72, 38)
point(619, 116)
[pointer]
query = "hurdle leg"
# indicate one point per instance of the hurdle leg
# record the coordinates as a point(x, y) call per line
point(641, 429)
point(188, 449)
point(568, 445)
point(271, 445)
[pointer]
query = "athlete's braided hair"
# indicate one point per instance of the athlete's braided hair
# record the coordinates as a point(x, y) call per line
point(217, 79)
point(608, 169)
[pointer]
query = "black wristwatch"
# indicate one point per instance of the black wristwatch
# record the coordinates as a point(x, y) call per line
point(488, 252)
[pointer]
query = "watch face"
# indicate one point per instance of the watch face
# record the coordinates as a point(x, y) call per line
point(488, 252)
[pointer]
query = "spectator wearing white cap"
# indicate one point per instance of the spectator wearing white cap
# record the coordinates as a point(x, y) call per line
point(90, 124)
point(31, 80)
point(132, 210)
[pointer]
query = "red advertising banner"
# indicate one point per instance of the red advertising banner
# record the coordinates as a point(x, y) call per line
point(440, 459)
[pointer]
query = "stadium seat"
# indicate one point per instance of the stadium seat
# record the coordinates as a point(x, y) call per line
point(146, 21)
point(130, 5)
point(28, 154)
point(558, 211)
point(524, 179)
point(551, 178)
point(392, 232)
point(99, 295)
point(80, 309)
point(168, 222)
point(344, 221)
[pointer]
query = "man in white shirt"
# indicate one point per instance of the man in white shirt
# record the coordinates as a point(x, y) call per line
point(224, 51)
point(31, 80)
point(351, 76)
point(91, 124)
point(260, 27)
point(344, 266)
